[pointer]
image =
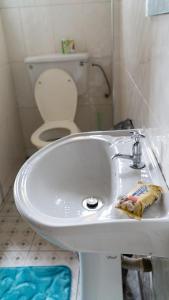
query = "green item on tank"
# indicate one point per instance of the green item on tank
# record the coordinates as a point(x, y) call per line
point(68, 46)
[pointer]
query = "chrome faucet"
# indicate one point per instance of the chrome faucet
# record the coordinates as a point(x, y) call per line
point(136, 156)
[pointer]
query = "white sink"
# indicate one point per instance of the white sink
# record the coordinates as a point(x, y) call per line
point(57, 180)
point(50, 190)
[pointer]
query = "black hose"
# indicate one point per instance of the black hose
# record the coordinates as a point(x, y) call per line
point(108, 94)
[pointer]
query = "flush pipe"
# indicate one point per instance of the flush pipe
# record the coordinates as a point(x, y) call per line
point(108, 94)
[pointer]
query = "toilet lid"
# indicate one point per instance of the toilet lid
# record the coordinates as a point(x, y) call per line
point(56, 95)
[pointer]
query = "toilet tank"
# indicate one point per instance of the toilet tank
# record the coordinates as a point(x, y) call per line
point(75, 64)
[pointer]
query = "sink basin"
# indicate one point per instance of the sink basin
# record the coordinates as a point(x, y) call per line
point(60, 179)
point(51, 190)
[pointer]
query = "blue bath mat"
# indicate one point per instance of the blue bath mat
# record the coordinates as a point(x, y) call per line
point(35, 283)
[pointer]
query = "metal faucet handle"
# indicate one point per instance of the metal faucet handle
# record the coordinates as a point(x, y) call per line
point(136, 135)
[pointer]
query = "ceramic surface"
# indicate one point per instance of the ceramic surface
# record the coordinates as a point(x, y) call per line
point(51, 186)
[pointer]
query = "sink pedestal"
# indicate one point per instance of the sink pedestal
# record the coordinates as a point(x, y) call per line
point(100, 277)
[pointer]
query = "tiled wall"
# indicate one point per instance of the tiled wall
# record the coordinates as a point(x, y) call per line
point(35, 27)
point(11, 140)
point(141, 73)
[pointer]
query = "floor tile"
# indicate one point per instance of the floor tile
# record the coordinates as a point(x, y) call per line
point(12, 259)
point(9, 209)
point(39, 244)
point(21, 246)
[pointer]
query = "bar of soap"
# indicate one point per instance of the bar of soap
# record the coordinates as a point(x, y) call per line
point(137, 200)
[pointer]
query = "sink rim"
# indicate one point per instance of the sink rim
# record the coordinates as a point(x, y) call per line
point(55, 222)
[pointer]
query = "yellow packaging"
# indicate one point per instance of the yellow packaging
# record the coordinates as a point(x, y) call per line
point(142, 196)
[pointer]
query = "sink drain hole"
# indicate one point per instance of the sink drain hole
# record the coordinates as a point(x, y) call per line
point(92, 203)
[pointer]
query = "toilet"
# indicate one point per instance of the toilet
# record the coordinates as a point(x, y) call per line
point(56, 94)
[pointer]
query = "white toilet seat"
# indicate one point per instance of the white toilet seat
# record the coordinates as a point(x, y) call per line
point(37, 139)
point(56, 96)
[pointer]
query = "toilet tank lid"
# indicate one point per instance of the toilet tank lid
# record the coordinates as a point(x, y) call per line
point(84, 57)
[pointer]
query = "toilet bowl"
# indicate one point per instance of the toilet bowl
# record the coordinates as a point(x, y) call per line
point(56, 97)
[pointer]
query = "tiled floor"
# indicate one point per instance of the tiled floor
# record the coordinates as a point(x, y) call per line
point(21, 246)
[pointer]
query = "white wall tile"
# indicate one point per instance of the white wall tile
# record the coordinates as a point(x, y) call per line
point(38, 33)
point(12, 150)
point(14, 34)
point(9, 3)
point(31, 120)
point(67, 24)
point(12, 147)
point(141, 88)
point(84, 117)
point(54, 2)
point(3, 49)
point(26, 3)
point(97, 30)
point(102, 117)
point(23, 87)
